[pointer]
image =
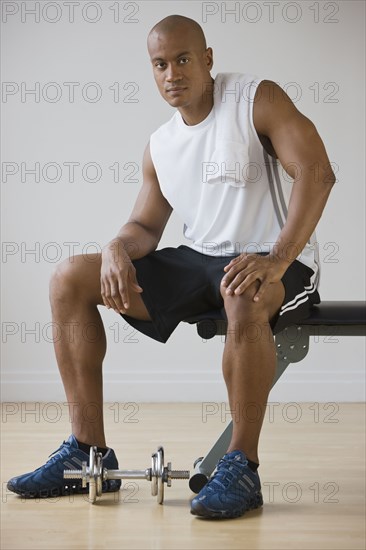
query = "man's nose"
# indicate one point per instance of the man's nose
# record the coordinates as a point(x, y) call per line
point(173, 73)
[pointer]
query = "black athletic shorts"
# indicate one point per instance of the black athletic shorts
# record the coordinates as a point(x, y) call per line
point(179, 283)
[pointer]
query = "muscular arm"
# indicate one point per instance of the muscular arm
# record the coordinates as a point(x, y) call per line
point(302, 154)
point(136, 238)
point(143, 230)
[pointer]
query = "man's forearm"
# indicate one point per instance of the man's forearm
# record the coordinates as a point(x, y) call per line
point(306, 205)
point(135, 240)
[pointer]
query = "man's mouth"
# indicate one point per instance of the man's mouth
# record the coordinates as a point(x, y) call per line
point(175, 89)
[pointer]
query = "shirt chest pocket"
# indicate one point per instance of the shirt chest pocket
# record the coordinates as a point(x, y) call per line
point(229, 164)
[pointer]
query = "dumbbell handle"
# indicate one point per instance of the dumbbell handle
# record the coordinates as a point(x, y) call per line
point(112, 474)
point(143, 474)
point(127, 474)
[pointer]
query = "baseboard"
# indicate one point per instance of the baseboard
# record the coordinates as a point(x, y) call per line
point(164, 386)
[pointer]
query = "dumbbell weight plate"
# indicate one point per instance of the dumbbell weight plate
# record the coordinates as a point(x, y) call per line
point(160, 467)
point(92, 480)
point(95, 474)
point(99, 474)
point(157, 475)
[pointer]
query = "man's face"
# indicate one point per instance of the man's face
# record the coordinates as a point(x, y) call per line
point(181, 68)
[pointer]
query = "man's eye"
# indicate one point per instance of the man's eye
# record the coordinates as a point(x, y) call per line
point(183, 60)
point(160, 65)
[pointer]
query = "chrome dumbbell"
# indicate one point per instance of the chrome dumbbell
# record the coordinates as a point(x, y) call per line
point(95, 474)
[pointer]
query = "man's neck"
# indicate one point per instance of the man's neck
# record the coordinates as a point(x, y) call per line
point(192, 116)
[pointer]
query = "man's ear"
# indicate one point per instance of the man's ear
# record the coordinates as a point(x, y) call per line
point(209, 58)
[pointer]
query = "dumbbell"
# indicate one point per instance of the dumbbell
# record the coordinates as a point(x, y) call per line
point(95, 474)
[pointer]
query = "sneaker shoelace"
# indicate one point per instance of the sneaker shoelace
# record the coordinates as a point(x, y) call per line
point(58, 453)
point(224, 476)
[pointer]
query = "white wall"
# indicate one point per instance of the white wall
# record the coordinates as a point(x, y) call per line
point(321, 54)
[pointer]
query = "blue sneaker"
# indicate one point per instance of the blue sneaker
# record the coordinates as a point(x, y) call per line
point(48, 481)
point(232, 489)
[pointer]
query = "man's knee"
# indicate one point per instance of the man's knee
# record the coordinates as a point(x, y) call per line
point(66, 279)
point(61, 278)
point(242, 307)
point(240, 302)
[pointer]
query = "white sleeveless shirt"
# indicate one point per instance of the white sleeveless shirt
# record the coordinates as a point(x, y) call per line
point(230, 194)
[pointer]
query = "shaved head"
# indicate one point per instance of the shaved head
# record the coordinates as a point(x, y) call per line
point(181, 65)
point(181, 25)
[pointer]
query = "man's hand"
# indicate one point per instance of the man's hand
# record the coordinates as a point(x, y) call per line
point(243, 270)
point(118, 277)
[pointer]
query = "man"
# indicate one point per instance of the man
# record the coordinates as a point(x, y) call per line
point(252, 254)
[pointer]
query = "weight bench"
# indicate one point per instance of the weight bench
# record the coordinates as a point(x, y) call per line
point(292, 345)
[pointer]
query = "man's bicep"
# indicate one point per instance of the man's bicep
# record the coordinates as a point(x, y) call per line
point(151, 209)
point(294, 137)
point(299, 147)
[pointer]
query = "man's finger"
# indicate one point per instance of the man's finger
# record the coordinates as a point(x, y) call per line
point(136, 286)
point(115, 297)
point(230, 264)
point(108, 297)
point(232, 273)
point(123, 292)
point(261, 290)
point(249, 279)
point(229, 280)
point(102, 291)
point(235, 261)
point(238, 262)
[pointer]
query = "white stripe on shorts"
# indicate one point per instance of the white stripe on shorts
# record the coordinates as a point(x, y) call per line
point(295, 305)
point(299, 299)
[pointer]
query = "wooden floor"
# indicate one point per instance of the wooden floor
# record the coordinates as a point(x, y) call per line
point(312, 473)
